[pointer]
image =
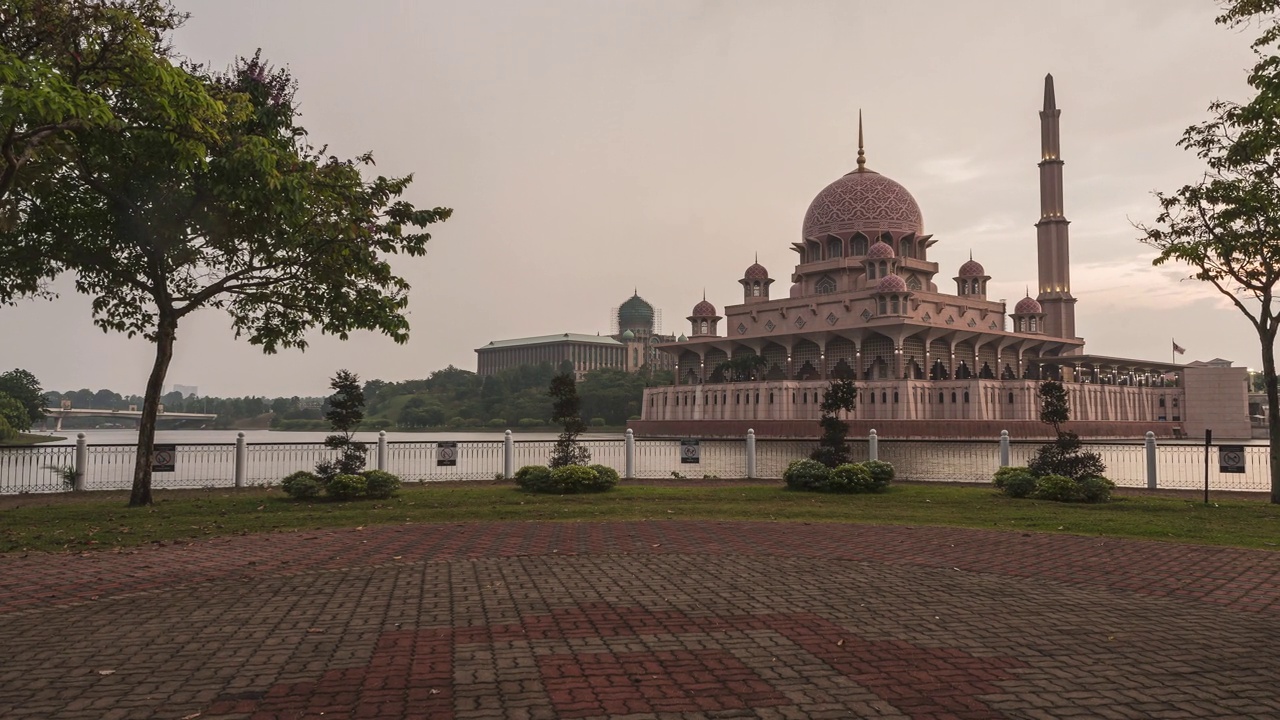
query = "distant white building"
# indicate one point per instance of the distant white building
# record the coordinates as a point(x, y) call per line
point(188, 391)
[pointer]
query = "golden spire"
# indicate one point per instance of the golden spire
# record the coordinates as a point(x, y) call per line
point(862, 156)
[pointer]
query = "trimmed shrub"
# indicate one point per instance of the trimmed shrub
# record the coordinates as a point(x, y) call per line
point(456, 422)
point(302, 485)
point(848, 478)
point(380, 485)
point(1059, 488)
point(806, 475)
point(597, 422)
point(881, 473)
point(347, 487)
point(1016, 482)
point(608, 476)
point(633, 417)
point(534, 478)
point(1096, 489)
point(531, 422)
point(497, 423)
point(576, 479)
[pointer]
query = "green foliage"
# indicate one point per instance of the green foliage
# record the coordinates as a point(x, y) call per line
point(833, 447)
point(380, 485)
point(533, 477)
point(1095, 489)
point(22, 386)
point(530, 422)
point(1054, 406)
point(565, 410)
point(497, 423)
point(346, 412)
point(346, 487)
point(848, 478)
point(13, 414)
point(1066, 454)
point(7, 431)
point(742, 368)
point(881, 472)
point(1058, 488)
point(806, 475)
point(1017, 482)
point(608, 476)
point(302, 485)
point(597, 422)
point(566, 479)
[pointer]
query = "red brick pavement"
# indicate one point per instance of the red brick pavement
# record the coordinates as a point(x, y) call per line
point(642, 620)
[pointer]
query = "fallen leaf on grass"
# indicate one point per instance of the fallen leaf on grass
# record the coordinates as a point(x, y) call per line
point(106, 672)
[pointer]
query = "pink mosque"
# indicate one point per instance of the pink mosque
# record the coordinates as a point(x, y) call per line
point(865, 305)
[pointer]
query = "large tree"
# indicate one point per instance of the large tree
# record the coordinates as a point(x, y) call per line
point(1226, 225)
point(248, 218)
point(23, 387)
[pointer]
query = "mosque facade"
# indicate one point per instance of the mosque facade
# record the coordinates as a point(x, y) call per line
point(932, 356)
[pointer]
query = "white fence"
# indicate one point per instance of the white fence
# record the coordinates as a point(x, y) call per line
point(41, 468)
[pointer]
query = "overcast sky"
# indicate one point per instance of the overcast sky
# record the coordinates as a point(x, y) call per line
point(591, 146)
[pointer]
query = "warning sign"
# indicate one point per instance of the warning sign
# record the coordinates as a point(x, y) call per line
point(447, 453)
point(163, 458)
point(690, 452)
point(1231, 458)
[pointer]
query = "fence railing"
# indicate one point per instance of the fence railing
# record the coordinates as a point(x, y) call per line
point(49, 468)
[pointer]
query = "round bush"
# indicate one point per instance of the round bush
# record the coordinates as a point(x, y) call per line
point(806, 475)
point(1059, 488)
point(881, 473)
point(608, 476)
point(530, 422)
point(301, 485)
point(534, 478)
point(380, 485)
point(575, 479)
point(347, 487)
point(597, 422)
point(497, 423)
point(1016, 482)
point(1096, 489)
point(848, 478)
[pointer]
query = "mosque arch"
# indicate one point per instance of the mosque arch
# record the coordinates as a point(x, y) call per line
point(805, 360)
point(825, 285)
point(860, 245)
point(835, 248)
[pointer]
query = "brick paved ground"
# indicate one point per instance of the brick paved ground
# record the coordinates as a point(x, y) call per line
point(641, 620)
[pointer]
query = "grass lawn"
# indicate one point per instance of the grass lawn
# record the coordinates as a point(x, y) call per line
point(29, 439)
point(101, 520)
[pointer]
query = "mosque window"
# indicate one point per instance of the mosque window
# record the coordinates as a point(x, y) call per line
point(964, 287)
point(770, 398)
point(893, 302)
point(1010, 398)
point(895, 396)
point(755, 289)
point(1033, 325)
point(884, 397)
point(703, 327)
point(953, 397)
point(873, 398)
point(913, 283)
point(941, 398)
point(859, 245)
point(884, 268)
point(834, 249)
point(966, 396)
point(871, 271)
point(906, 248)
point(1021, 326)
point(884, 307)
point(825, 285)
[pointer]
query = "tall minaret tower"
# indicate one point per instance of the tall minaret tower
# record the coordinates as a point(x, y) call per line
point(1052, 245)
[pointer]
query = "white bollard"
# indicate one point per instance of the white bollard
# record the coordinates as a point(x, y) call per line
point(1151, 460)
point(873, 446)
point(242, 459)
point(382, 450)
point(508, 456)
point(82, 463)
point(630, 465)
point(1004, 448)
point(751, 453)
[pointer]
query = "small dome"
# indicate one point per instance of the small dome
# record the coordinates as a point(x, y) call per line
point(756, 272)
point(891, 283)
point(682, 338)
point(628, 335)
point(972, 268)
point(796, 290)
point(1027, 306)
point(704, 309)
point(880, 250)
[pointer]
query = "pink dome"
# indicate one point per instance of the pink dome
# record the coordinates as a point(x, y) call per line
point(704, 309)
point(796, 290)
point(880, 250)
point(891, 283)
point(756, 272)
point(863, 201)
point(972, 268)
point(1027, 306)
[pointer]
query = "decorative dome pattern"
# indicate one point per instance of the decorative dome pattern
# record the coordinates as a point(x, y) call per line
point(635, 313)
point(891, 283)
point(1027, 306)
point(863, 201)
point(704, 309)
point(972, 268)
point(756, 272)
point(880, 250)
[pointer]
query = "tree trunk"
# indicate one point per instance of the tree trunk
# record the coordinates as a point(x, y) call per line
point(165, 334)
point(1273, 413)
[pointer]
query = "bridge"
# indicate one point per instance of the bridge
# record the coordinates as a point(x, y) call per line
point(61, 413)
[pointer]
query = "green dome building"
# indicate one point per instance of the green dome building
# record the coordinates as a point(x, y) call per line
point(636, 315)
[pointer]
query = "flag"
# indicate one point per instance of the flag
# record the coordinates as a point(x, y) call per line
point(1178, 348)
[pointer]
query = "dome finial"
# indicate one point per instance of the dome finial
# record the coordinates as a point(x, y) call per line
point(704, 293)
point(862, 156)
point(1028, 290)
point(970, 253)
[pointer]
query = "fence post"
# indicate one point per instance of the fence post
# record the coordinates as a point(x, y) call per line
point(382, 450)
point(82, 463)
point(508, 456)
point(242, 459)
point(1004, 448)
point(873, 446)
point(1151, 460)
point(630, 466)
point(751, 453)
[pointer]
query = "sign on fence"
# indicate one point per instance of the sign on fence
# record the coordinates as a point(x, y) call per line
point(1231, 458)
point(690, 452)
point(447, 453)
point(163, 458)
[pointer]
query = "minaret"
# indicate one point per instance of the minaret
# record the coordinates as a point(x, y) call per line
point(1053, 246)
